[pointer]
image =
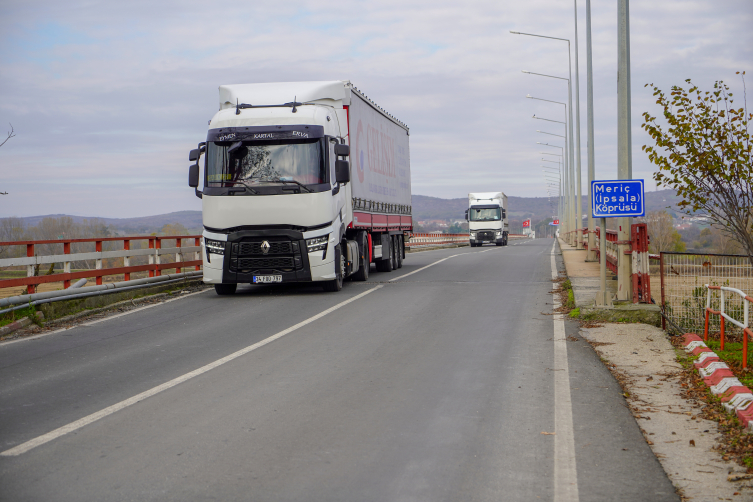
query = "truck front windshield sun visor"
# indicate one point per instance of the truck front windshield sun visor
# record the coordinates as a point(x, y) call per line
point(485, 214)
point(252, 164)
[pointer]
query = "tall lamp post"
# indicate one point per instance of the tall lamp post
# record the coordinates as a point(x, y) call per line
point(576, 224)
point(569, 192)
point(564, 199)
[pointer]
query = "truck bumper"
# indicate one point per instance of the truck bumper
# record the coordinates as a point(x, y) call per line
point(286, 256)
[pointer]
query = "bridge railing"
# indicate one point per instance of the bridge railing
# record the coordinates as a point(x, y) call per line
point(157, 258)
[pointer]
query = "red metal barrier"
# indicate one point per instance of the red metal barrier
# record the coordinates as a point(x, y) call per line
point(155, 251)
point(640, 276)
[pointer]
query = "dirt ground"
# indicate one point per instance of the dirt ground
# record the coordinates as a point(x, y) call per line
point(644, 360)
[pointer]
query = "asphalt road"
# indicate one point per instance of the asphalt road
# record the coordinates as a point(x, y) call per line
point(438, 386)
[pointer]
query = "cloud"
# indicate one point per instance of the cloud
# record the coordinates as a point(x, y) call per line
point(107, 98)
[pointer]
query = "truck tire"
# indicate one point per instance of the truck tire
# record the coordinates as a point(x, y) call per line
point(336, 284)
point(393, 242)
point(385, 263)
point(399, 250)
point(364, 264)
point(225, 289)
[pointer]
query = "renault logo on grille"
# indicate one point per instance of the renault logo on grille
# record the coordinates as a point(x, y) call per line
point(265, 247)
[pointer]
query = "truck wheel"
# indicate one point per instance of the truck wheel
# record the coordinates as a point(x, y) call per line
point(225, 289)
point(393, 242)
point(336, 284)
point(399, 250)
point(385, 263)
point(364, 264)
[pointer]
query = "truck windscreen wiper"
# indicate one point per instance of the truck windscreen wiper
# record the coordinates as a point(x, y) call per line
point(280, 180)
point(247, 186)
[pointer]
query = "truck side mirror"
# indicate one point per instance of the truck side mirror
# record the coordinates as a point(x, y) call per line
point(342, 171)
point(193, 175)
point(466, 215)
point(193, 155)
point(342, 150)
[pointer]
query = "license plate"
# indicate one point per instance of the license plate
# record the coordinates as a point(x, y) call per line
point(258, 279)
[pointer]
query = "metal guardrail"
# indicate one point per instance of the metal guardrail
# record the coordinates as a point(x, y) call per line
point(156, 254)
point(724, 316)
point(417, 240)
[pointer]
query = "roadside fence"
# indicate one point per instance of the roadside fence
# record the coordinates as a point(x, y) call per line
point(684, 278)
point(145, 254)
point(728, 308)
point(638, 252)
point(425, 240)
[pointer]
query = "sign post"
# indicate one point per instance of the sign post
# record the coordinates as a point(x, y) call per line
point(613, 199)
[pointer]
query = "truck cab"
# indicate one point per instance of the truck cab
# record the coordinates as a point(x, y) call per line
point(487, 218)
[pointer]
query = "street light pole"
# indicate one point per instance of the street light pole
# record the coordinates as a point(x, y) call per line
point(591, 256)
point(578, 179)
point(566, 217)
point(575, 223)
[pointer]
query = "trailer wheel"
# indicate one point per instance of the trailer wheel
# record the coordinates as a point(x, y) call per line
point(399, 250)
point(393, 251)
point(385, 264)
point(336, 284)
point(225, 289)
point(364, 264)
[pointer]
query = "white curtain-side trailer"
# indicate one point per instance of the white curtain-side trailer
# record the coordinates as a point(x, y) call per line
point(302, 182)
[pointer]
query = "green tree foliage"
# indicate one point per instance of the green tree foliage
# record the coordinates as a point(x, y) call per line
point(704, 154)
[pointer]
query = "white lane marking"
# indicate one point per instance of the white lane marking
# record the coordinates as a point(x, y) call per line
point(73, 426)
point(437, 262)
point(565, 473)
point(35, 337)
point(424, 268)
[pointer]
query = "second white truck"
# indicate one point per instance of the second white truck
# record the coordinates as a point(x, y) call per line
point(487, 218)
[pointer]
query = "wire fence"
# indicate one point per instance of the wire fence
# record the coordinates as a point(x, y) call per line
point(683, 278)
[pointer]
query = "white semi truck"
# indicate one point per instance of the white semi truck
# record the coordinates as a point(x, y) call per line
point(487, 218)
point(280, 200)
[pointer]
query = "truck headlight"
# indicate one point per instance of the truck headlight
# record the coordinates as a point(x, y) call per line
point(473, 235)
point(317, 243)
point(216, 247)
point(499, 232)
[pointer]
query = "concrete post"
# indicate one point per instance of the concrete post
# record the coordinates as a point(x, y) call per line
point(624, 145)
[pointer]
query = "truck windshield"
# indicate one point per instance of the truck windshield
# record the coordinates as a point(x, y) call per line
point(230, 163)
point(485, 214)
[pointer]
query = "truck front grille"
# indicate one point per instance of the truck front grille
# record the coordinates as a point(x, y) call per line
point(282, 255)
point(254, 248)
point(485, 236)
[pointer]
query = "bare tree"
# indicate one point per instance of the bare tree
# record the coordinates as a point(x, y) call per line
point(11, 229)
point(10, 135)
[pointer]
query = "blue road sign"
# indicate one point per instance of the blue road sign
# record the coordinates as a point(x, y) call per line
point(613, 198)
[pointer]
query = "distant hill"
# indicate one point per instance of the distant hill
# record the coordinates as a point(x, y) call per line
point(424, 208)
point(144, 224)
point(536, 208)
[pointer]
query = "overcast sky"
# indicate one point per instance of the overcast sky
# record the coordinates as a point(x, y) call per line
point(107, 98)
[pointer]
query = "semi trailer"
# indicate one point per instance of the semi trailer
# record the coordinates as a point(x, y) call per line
point(487, 218)
point(305, 182)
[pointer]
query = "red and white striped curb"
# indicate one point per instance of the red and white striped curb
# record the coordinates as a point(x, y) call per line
point(736, 397)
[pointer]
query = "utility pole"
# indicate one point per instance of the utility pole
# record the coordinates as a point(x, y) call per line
point(578, 178)
point(591, 256)
point(624, 146)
